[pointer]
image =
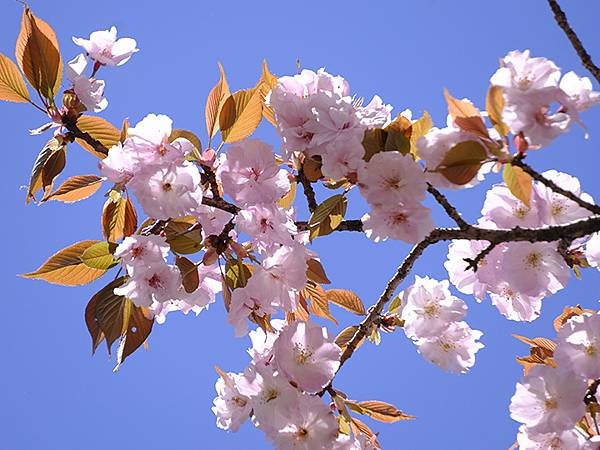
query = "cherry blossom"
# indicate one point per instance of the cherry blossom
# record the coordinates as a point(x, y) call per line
point(522, 72)
point(409, 223)
point(139, 252)
point(249, 173)
point(592, 251)
point(453, 349)
point(504, 210)
point(580, 92)
point(548, 400)
point(305, 354)
point(562, 440)
point(555, 208)
point(467, 280)
point(251, 299)
point(515, 305)
point(105, 48)
point(343, 157)
point(89, 91)
point(120, 165)
point(230, 406)
point(267, 225)
point(579, 346)
point(159, 282)
point(429, 308)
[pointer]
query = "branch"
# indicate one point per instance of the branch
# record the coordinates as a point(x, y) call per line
point(346, 225)
point(571, 230)
point(308, 190)
point(584, 56)
point(76, 133)
point(450, 210)
point(473, 263)
point(556, 188)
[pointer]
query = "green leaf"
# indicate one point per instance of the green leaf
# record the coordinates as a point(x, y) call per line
point(462, 162)
point(518, 182)
point(180, 239)
point(66, 267)
point(327, 216)
point(100, 256)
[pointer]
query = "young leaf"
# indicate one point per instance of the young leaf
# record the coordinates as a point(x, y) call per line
point(518, 182)
point(189, 274)
point(35, 181)
point(287, 200)
point(345, 335)
point(12, 85)
point(240, 115)
point(119, 218)
point(38, 56)
point(195, 140)
point(328, 216)
point(265, 85)
point(237, 273)
point(99, 129)
point(316, 272)
point(494, 104)
point(214, 103)
point(318, 302)
point(466, 116)
point(66, 267)
point(381, 411)
point(347, 300)
point(359, 427)
point(92, 324)
point(568, 312)
point(312, 169)
point(373, 142)
point(462, 162)
point(180, 239)
point(100, 256)
point(53, 168)
point(419, 129)
point(75, 189)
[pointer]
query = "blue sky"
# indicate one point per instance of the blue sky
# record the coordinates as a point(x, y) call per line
point(56, 396)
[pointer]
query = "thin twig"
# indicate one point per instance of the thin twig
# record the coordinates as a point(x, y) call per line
point(473, 263)
point(346, 225)
point(556, 188)
point(584, 56)
point(309, 193)
point(450, 210)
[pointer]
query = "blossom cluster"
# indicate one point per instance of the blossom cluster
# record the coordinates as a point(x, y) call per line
point(552, 400)
point(433, 319)
point(289, 365)
point(518, 275)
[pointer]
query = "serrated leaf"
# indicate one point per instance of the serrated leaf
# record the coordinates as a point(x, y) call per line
point(52, 169)
point(237, 273)
point(519, 183)
point(240, 115)
point(266, 84)
point(382, 411)
point(38, 55)
point(189, 274)
point(92, 324)
point(494, 104)
point(100, 256)
point(346, 335)
point(312, 169)
point(214, 103)
point(466, 116)
point(327, 216)
point(373, 142)
point(395, 304)
point(419, 129)
point(318, 302)
point(347, 300)
point(359, 427)
point(462, 162)
point(119, 218)
point(185, 134)
point(398, 135)
point(99, 129)
point(315, 272)
point(180, 239)
point(35, 180)
point(12, 84)
point(287, 200)
point(75, 189)
point(66, 267)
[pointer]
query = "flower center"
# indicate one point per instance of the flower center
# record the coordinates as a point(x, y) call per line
point(551, 403)
point(392, 182)
point(137, 251)
point(167, 187)
point(591, 350)
point(446, 346)
point(533, 260)
point(155, 282)
point(520, 212)
point(399, 218)
point(557, 208)
point(432, 310)
point(239, 401)
point(302, 433)
point(270, 394)
point(302, 355)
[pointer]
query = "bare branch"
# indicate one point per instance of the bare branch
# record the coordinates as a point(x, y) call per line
point(346, 225)
point(584, 56)
point(556, 188)
point(309, 193)
point(76, 133)
point(473, 263)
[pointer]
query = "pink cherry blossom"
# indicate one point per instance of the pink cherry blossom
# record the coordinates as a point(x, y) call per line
point(561, 440)
point(159, 282)
point(592, 251)
point(533, 269)
point(389, 178)
point(120, 165)
point(139, 252)
point(555, 208)
point(467, 280)
point(580, 92)
point(211, 219)
point(168, 192)
point(515, 305)
point(89, 91)
point(409, 223)
point(262, 342)
point(375, 114)
point(429, 308)
point(578, 346)
point(231, 408)
point(504, 210)
point(251, 299)
point(268, 225)
point(105, 48)
point(250, 175)
point(548, 400)
point(305, 354)
point(343, 156)
point(305, 424)
point(453, 349)
point(522, 72)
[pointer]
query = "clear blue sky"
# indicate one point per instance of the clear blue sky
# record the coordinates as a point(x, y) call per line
point(56, 396)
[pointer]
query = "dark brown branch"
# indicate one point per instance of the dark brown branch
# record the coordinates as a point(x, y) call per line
point(346, 225)
point(219, 203)
point(450, 210)
point(76, 133)
point(572, 230)
point(309, 192)
point(556, 188)
point(473, 263)
point(584, 56)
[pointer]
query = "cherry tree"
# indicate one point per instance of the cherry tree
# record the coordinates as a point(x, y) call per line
point(221, 226)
